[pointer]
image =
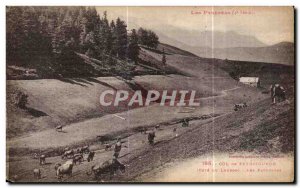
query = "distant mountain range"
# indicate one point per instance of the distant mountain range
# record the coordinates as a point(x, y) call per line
point(222, 45)
point(233, 46)
point(211, 39)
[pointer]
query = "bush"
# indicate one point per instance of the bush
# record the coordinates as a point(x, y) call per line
point(20, 99)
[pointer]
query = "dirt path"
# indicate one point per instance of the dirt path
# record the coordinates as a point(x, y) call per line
point(224, 94)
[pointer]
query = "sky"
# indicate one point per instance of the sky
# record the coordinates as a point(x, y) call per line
point(268, 24)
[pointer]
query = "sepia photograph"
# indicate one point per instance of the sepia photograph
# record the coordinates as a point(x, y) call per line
point(150, 94)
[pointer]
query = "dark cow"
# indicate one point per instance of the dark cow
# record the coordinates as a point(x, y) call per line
point(91, 156)
point(143, 130)
point(78, 150)
point(277, 93)
point(151, 136)
point(117, 149)
point(111, 167)
point(42, 159)
point(108, 147)
point(85, 149)
point(240, 106)
point(185, 123)
point(78, 158)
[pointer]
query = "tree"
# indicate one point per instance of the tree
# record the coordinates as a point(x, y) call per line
point(120, 32)
point(143, 36)
point(152, 39)
point(32, 36)
point(105, 34)
point(14, 33)
point(163, 60)
point(63, 35)
point(133, 47)
point(90, 43)
point(114, 47)
point(48, 37)
point(148, 38)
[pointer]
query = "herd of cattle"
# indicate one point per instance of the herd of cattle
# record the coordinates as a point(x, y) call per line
point(76, 156)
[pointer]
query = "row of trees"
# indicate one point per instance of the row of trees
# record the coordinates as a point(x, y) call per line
point(33, 32)
point(147, 38)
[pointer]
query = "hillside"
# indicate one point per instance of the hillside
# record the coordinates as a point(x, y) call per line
point(80, 94)
point(261, 128)
point(268, 73)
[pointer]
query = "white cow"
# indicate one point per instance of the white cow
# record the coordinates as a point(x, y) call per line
point(65, 169)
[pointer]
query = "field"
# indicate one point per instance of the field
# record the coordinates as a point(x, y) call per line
point(74, 104)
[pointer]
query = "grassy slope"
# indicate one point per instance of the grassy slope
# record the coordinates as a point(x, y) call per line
point(79, 96)
point(262, 128)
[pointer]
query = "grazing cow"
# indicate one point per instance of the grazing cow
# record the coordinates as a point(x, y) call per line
point(277, 93)
point(102, 138)
point(68, 154)
point(56, 166)
point(117, 148)
point(143, 130)
point(108, 147)
point(59, 128)
point(35, 156)
point(85, 149)
point(91, 156)
point(111, 167)
point(240, 106)
point(157, 126)
point(175, 129)
point(185, 123)
point(42, 159)
point(151, 136)
point(65, 169)
point(37, 173)
point(79, 150)
point(78, 158)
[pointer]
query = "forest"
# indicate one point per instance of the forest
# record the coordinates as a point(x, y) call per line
point(59, 41)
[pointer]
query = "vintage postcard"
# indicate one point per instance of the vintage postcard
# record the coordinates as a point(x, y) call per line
point(150, 94)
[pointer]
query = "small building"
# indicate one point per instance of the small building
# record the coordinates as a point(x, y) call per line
point(252, 81)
